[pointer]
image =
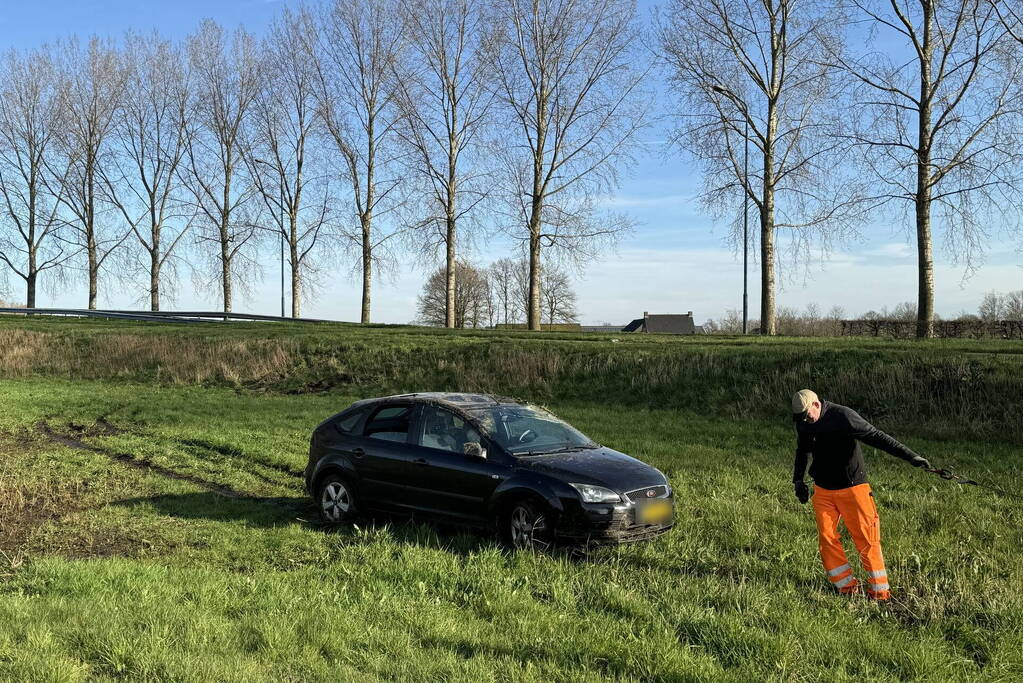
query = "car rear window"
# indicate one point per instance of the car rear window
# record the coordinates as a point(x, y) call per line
point(390, 423)
point(347, 423)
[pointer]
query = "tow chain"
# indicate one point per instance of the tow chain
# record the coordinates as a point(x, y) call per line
point(952, 476)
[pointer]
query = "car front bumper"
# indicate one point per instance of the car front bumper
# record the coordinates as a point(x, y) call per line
point(599, 524)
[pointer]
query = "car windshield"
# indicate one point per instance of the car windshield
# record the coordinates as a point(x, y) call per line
point(530, 430)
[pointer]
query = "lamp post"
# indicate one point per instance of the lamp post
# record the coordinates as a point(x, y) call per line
point(745, 204)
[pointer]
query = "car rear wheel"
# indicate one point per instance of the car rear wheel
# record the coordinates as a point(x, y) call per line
point(336, 500)
point(529, 525)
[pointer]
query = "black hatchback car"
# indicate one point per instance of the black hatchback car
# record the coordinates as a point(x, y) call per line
point(484, 461)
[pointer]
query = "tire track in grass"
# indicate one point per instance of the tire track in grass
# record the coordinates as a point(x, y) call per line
point(73, 435)
point(224, 452)
point(70, 440)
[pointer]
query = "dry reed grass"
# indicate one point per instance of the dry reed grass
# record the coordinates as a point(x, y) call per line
point(177, 360)
point(934, 394)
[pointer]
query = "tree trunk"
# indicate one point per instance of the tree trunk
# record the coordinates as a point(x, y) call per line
point(367, 268)
point(225, 267)
point(533, 313)
point(768, 322)
point(31, 273)
point(154, 278)
point(925, 265)
point(296, 280)
point(93, 273)
point(768, 319)
point(30, 287)
point(925, 261)
point(90, 231)
point(449, 305)
point(154, 254)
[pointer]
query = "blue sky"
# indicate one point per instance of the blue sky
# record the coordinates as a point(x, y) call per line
point(676, 260)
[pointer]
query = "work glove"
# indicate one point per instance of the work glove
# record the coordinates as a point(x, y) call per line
point(802, 491)
point(920, 461)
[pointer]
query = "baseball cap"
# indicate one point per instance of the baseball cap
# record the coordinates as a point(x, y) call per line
point(801, 402)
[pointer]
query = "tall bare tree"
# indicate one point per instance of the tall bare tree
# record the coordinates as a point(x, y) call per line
point(142, 179)
point(359, 47)
point(444, 97)
point(756, 72)
point(94, 78)
point(570, 89)
point(559, 299)
point(473, 307)
point(507, 303)
point(226, 78)
point(29, 114)
point(285, 160)
point(933, 123)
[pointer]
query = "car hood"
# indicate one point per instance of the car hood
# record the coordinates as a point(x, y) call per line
point(601, 466)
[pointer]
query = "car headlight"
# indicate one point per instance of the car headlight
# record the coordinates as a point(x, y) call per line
point(667, 484)
point(596, 494)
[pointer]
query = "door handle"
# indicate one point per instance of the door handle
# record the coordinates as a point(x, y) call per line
point(358, 452)
point(421, 461)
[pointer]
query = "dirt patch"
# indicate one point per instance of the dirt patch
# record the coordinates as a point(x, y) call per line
point(100, 428)
point(25, 509)
point(22, 509)
point(320, 386)
point(33, 509)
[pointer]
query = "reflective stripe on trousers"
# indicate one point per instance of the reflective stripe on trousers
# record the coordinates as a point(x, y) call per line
point(855, 507)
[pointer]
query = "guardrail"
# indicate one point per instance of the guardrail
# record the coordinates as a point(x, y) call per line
point(159, 316)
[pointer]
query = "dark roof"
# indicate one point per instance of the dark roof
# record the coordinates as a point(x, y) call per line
point(458, 399)
point(663, 324)
point(671, 324)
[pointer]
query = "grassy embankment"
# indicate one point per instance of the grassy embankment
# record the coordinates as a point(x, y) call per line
point(153, 523)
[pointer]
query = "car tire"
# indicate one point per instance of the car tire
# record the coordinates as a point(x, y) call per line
point(528, 524)
point(335, 500)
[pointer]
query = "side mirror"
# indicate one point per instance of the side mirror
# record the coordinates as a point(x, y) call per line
point(474, 449)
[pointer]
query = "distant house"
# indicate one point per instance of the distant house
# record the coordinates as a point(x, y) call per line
point(671, 323)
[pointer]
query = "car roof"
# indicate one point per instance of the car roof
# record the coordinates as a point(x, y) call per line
point(464, 401)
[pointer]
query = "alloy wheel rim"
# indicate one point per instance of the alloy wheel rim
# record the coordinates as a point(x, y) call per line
point(336, 501)
point(528, 529)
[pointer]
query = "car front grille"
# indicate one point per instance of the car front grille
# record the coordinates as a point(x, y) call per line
point(645, 493)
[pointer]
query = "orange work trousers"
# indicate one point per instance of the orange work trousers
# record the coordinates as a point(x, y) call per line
point(854, 506)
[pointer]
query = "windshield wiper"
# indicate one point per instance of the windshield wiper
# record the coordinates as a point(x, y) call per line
point(539, 452)
point(563, 449)
point(572, 449)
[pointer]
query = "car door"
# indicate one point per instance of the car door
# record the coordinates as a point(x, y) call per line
point(443, 479)
point(384, 455)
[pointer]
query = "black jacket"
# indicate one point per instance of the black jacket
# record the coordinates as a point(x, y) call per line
point(833, 440)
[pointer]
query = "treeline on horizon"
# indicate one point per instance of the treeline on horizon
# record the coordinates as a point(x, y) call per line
point(354, 132)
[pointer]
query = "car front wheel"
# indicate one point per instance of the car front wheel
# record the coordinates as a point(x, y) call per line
point(529, 525)
point(336, 500)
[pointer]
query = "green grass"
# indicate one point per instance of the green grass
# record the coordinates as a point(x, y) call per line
point(175, 543)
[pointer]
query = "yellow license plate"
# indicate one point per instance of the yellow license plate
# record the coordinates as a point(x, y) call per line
point(654, 512)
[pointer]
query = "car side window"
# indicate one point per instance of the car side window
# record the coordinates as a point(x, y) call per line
point(348, 423)
point(390, 423)
point(446, 431)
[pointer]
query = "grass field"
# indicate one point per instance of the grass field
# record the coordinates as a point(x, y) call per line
point(153, 525)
